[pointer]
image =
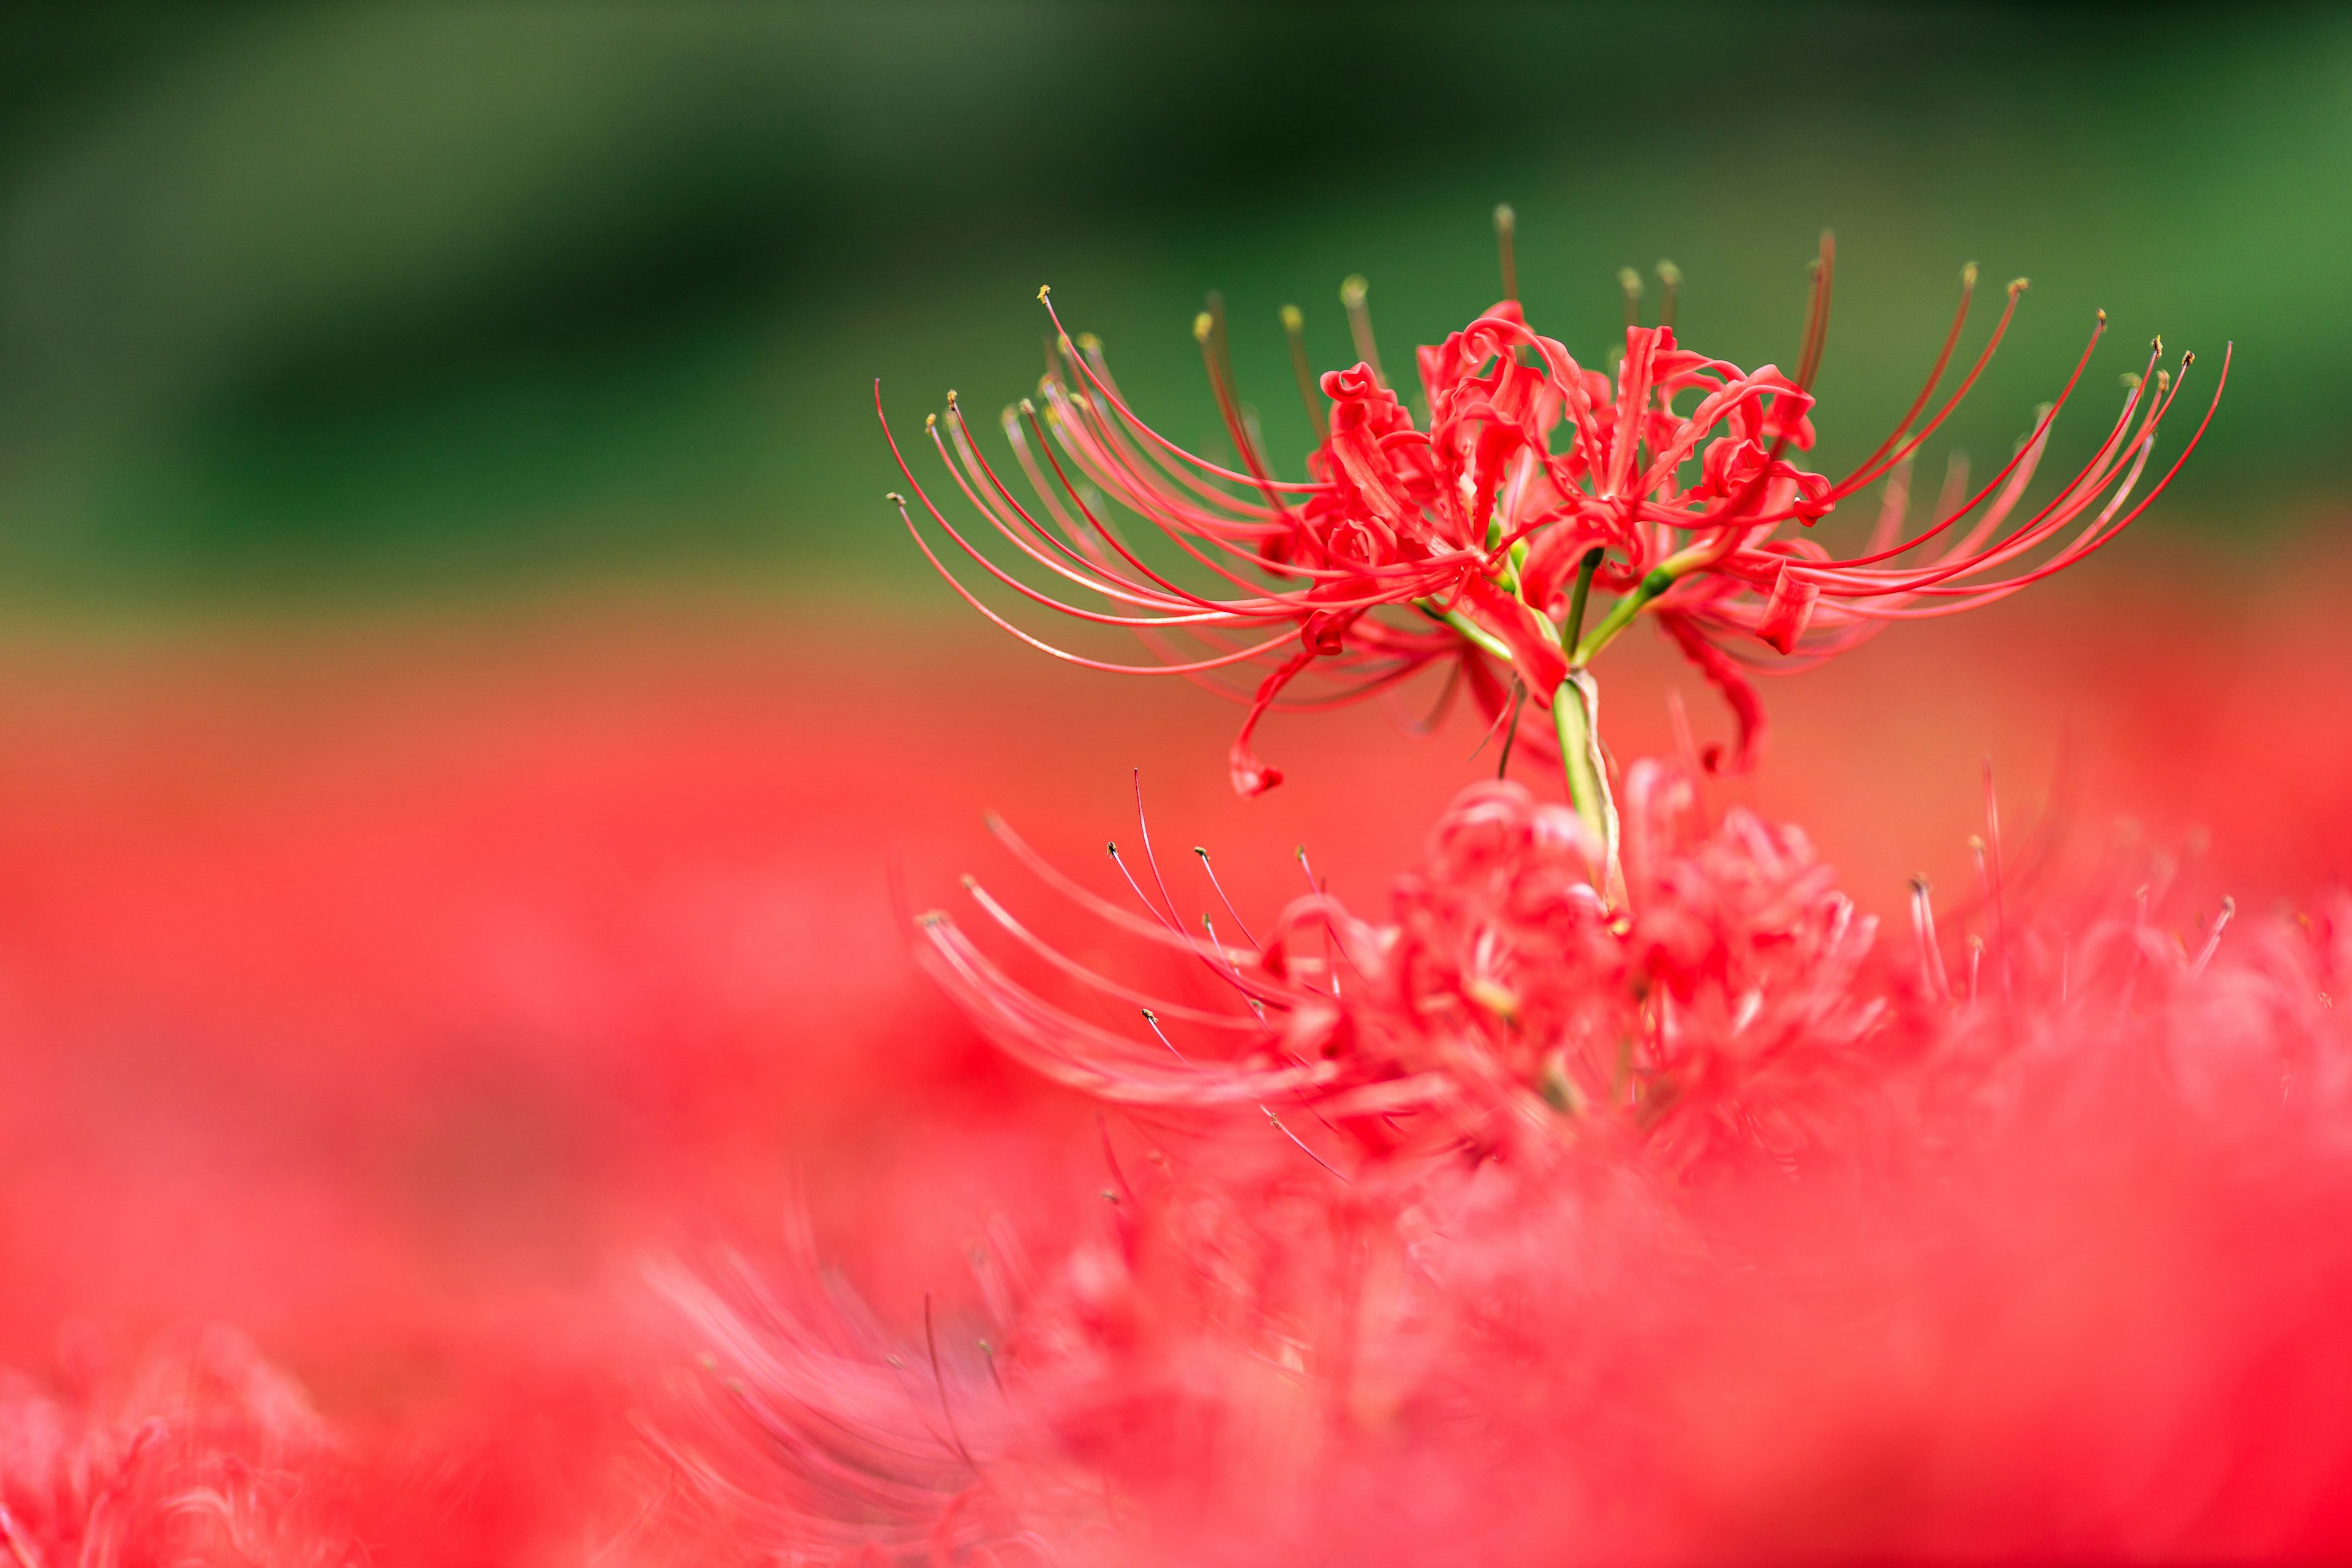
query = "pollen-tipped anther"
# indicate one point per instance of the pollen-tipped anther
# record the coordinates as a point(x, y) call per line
point(1630, 282)
point(1043, 289)
point(1450, 532)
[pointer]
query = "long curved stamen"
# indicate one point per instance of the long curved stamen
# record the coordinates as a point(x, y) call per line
point(1477, 511)
point(1209, 329)
point(1294, 327)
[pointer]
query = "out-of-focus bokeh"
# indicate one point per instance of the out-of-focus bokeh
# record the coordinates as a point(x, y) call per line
point(374, 300)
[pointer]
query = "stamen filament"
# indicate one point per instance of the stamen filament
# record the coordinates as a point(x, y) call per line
point(1294, 327)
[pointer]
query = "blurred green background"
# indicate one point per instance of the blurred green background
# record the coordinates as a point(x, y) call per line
point(316, 304)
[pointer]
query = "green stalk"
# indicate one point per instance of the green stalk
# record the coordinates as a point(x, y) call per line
point(1574, 709)
point(1583, 591)
point(1621, 614)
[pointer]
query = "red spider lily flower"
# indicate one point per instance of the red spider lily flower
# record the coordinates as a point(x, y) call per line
point(1472, 536)
point(1504, 1000)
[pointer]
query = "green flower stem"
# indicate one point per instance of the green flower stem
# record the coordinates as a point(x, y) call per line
point(1584, 571)
point(1621, 614)
point(1575, 708)
point(1476, 633)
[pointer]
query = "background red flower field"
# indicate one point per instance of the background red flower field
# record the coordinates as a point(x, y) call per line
point(393, 992)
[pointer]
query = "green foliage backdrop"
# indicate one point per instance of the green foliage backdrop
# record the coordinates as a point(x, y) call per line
point(370, 300)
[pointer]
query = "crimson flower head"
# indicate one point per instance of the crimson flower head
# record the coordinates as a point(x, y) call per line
point(1470, 529)
point(1503, 1004)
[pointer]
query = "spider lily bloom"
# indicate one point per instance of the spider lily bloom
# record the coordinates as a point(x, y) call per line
point(1503, 1004)
point(1472, 536)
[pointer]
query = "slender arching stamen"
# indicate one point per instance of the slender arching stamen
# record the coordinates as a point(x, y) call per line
point(1231, 974)
point(1670, 282)
point(1360, 325)
point(1294, 327)
point(1020, 932)
point(1075, 1051)
point(1507, 228)
point(1816, 326)
point(1117, 462)
point(1863, 475)
point(1256, 608)
point(966, 594)
point(1116, 589)
point(1969, 556)
point(1110, 394)
point(1106, 452)
point(1054, 877)
point(1972, 595)
point(1997, 480)
point(1209, 331)
point(1117, 544)
point(940, 518)
point(1630, 283)
point(2011, 585)
point(1935, 373)
point(1893, 505)
point(1809, 360)
point(1267, 602)
point(1211, 870)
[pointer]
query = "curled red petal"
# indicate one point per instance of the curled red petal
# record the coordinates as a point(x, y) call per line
point(1787, 611)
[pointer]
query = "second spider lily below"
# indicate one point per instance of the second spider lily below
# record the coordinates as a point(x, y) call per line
point(1473, 535)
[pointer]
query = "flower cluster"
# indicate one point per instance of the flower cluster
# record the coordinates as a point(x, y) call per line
point(1610, 1173)
point(1504, 1001)
point(1659, 1225)
point(1473, 533)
